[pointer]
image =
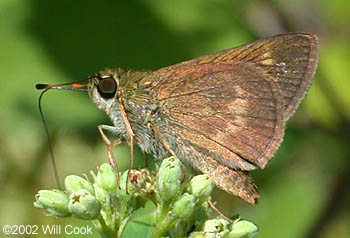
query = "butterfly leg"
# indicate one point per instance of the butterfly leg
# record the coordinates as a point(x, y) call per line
point(130, 134)
point(110, 145)
point(149, 129)
point(212, 206)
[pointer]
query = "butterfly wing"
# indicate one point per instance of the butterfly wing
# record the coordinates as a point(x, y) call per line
point(227, 111)
point(291, 59)
point(210, 95)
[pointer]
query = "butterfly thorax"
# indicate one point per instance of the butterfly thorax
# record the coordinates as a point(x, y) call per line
point(142, 111)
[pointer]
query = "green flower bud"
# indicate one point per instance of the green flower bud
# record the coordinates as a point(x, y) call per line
point(74, 183)
point(102, 195)
point(184, 206)
point(216, 226)
point(106, 178)
point(54, 201)
point(169, 179)
point(131, 187)
point(106, 209)
point(243, 229)
point(84, 205)
point(201, 187)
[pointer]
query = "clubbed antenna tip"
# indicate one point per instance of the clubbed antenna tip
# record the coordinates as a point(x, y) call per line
point(41, 86)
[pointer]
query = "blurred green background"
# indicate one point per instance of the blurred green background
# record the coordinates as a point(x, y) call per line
point(305, 189)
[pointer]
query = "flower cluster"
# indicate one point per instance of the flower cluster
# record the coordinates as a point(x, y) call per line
point(181, 207)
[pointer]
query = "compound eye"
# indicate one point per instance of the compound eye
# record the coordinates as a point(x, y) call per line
point(107, 87)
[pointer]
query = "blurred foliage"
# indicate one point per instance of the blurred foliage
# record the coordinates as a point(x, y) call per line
point(304, 191)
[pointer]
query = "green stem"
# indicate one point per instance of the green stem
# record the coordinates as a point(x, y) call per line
point(125, 213)
point(164, 220)
point(163, 226)
point(103, 229)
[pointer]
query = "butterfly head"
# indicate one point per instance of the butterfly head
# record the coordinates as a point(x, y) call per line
point(103, 88)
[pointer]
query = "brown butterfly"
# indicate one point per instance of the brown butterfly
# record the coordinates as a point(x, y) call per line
point(224, 113)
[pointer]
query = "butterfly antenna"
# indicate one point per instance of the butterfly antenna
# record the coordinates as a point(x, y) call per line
point(76, 86)
point(48, 139)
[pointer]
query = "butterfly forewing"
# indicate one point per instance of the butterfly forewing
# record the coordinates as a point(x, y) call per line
point(210, 95)
point(230, 111)
point(226, 112)
point(291, 59)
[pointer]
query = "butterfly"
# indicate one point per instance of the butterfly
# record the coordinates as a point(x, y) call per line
point(223, 113)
